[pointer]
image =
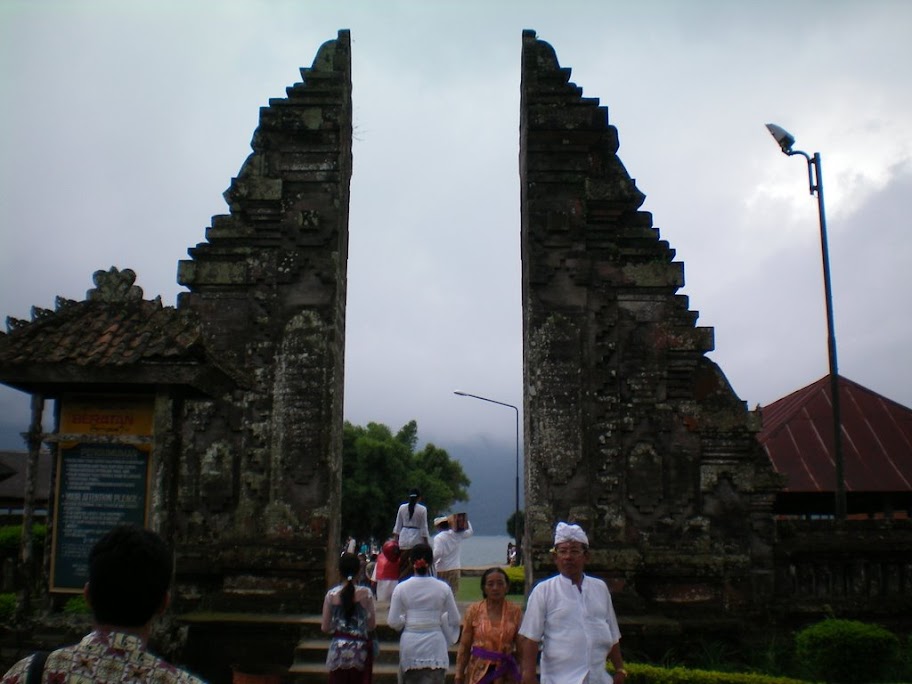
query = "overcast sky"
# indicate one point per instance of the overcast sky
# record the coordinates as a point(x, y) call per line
point(123, 123)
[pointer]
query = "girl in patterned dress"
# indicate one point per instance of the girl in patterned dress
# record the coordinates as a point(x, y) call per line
point(348, 614)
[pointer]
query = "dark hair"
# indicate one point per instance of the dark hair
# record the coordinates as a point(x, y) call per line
point(414, 495)
point(422, 552)
point(349, 566)
point(491, 571)
point(129, 575)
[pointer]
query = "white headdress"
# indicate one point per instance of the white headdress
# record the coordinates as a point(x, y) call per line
point(569, 533)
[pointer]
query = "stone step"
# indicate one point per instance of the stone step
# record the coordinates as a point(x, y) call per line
point(309, 651)
point(292, 643)
point(313, 673)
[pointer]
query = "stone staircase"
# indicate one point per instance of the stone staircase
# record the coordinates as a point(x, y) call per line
point(250, 648)
point(309, 664)
point(259, 648)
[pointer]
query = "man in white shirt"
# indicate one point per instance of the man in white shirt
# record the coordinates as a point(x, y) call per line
point(572, 618)
point(447, 561)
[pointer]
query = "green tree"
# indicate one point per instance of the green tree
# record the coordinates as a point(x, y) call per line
point(520, 517)
point(378, 469)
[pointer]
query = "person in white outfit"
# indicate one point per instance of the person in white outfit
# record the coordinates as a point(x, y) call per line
point(447, 559)
point(424, 609)
point(572, 618)
point(411, 528)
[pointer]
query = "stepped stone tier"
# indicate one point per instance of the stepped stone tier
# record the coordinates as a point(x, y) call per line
point(630, 429)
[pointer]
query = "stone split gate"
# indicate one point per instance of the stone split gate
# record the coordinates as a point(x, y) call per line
point(629, 428)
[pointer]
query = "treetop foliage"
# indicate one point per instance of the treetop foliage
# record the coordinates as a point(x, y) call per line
point(378, 470)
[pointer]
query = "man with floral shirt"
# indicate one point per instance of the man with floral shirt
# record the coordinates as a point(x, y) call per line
point(129, 576)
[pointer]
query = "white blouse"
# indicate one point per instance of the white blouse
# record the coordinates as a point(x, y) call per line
point(424, 609)
point(411, 530)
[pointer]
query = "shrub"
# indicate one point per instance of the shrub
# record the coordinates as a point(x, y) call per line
point(775, 655)
point(846, 651)
point(902, 669)
point(715, 655)
point(650, 674)
point(10, 536)
point(7, 607)
point(516, 577)
point(76, 605)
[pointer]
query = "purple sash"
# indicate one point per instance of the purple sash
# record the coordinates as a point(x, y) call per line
point(507, 665)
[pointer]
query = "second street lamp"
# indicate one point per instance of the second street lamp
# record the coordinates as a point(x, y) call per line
point(516, 512)
point(815, 180)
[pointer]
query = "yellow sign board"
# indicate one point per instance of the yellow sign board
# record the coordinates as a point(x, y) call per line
point(108, 416)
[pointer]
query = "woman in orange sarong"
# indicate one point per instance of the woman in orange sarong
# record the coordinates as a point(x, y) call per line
point(487, 649)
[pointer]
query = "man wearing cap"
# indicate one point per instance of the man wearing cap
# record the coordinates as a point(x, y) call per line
point(447, 561)
point(572, 618)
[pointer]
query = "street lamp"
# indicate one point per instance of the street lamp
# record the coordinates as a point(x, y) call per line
point(815, 181)
point(516, 514)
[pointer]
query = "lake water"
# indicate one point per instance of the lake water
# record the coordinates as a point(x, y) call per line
point(480, 551)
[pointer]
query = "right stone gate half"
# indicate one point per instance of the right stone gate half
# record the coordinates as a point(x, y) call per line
point(630, 429)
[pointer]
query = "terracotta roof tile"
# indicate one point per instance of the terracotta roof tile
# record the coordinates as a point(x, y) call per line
point(118, 332)
point(101, 334)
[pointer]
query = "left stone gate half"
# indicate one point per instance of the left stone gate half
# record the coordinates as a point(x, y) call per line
point(257, 502)
point(218, 422)
point(242, 381)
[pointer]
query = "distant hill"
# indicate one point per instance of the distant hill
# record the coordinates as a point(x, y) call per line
point(491, 466)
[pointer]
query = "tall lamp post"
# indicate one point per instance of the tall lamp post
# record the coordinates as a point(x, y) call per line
point(516, 514)
point(815, 181)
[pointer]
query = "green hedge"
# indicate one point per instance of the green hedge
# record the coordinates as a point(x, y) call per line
point(651, 674)
point(7, 606)
point(10, 536)
point(516, 576)
point(76, 605)
point(847, 651)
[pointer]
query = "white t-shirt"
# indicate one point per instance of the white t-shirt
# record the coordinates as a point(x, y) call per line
point(558, 615)
point(446, 548)
point(411, 530)
point(424, 608)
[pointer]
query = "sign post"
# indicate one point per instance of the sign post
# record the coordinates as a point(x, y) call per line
point(102, 480)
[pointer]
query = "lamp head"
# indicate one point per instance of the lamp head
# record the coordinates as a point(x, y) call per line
point(782, 136)
point(460, 393)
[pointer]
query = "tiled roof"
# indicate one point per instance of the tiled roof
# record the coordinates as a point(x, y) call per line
point(103, 334)
point(113, 337)
point(797, 435)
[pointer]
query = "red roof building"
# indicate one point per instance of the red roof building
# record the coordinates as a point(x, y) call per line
point(797, 435)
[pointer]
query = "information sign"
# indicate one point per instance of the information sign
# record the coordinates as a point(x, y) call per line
point(100, 486)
